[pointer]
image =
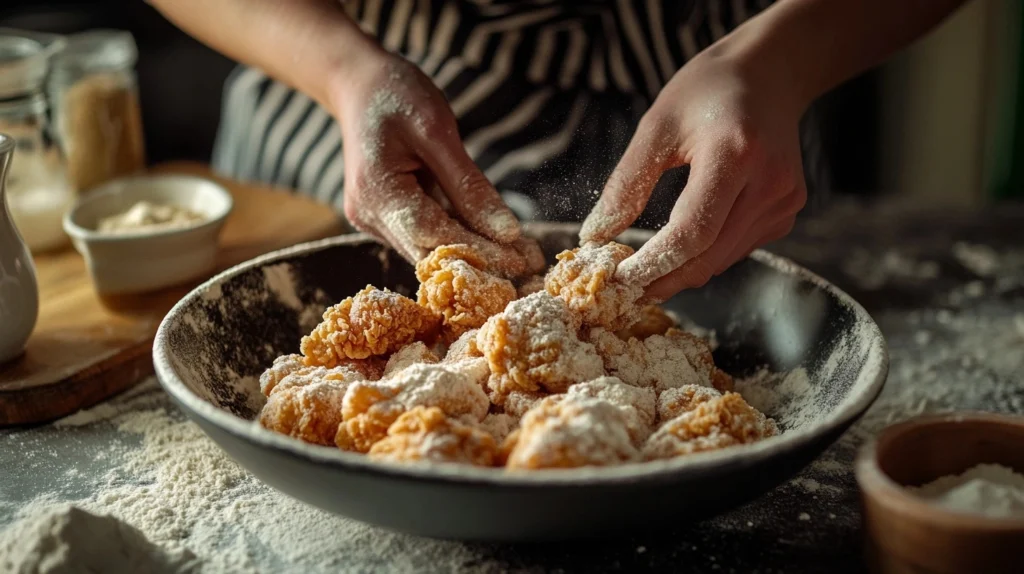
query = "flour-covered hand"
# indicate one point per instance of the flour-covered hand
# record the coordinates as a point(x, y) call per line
point(737, 130)
point(409, 180)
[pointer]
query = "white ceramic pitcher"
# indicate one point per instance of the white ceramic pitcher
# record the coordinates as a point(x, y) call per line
point(19, 293)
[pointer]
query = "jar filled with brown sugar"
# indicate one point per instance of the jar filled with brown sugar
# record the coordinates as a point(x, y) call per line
point(95, 100)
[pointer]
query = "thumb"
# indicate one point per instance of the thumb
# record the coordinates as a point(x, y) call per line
point(652, 150)
point(473, 197)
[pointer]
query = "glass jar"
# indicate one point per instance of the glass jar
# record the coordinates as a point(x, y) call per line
point(38, 193)
point(94, 94)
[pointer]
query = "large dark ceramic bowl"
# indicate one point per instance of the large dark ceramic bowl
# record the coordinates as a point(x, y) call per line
point(767, 312)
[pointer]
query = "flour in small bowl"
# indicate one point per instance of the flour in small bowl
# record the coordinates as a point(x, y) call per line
point(991, 490)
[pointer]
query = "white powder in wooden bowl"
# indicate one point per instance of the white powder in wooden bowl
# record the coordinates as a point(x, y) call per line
point(990, 490)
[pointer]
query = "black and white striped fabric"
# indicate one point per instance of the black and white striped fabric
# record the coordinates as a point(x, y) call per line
point(547, 93)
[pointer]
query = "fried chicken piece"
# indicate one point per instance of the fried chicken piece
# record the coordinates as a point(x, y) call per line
point(664, 361)
point(369, 408)
point(532, 345)
point(289, 371)
point(426, 433)
point(678, 400)
point(517, 403)
point(699, 354)
point(454, 284)
point(474, 368)
point(531, 285)
point(309, 412)
point(409, 355)
point(585, 279)
point(638, 404)
point(373, 322)
point(463, 348)
point(282, 367)
point(499, 425)
point(436, 259)
point(653, 321)
point(568, 432)
point(717, 423)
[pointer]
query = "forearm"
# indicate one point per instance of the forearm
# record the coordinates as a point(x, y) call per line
point(817, 44)
point(303, 43)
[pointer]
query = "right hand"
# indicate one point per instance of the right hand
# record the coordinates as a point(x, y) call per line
point(408, 179)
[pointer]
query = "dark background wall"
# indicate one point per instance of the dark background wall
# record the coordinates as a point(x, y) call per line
point(180, 84)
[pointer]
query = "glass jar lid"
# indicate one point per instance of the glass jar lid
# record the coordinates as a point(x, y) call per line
point(23, 63)
point(97, 50)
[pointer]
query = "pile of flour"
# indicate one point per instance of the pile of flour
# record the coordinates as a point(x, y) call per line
point(172, 494)
point(991, 490)
point(65, 539)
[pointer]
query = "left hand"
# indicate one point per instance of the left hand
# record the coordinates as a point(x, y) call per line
point(736, 126)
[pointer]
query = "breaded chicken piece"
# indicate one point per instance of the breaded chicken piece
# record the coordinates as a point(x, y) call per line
point(309, 412)
point(289, 371)
point(570, 431)
point(532, 346)
point(653, 321)
point(426, 433)
point(585, 279)
point(369, 408)
point(463, 348)
point(678, 400)
point(664, 361)
point(408, 356)
point(638, 404)
point(373, 322)
point(717, 423)
point(453, 283)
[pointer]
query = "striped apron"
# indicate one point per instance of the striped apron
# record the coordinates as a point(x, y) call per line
point(546, 94)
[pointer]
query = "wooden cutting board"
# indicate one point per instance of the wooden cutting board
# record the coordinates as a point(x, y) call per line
point(84, 350)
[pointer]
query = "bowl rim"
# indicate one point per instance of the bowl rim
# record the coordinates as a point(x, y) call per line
point(76, 231)
point(869, 383)
point(878, 486)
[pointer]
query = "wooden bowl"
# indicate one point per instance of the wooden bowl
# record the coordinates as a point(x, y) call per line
point(906, 533)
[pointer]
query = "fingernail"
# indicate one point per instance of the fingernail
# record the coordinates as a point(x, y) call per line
point(504, 225)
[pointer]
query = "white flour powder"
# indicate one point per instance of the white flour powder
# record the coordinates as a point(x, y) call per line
point(69, 540)
point(186, 495)
point(987, 489)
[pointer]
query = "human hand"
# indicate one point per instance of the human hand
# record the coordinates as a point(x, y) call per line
point(736, 126)
point(408, 179)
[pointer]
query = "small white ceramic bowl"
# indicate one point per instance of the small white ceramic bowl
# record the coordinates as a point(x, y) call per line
point(136, 262)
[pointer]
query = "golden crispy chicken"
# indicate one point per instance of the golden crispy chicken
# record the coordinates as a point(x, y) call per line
point(653, 321)
point(678, 400)
point(408, 356)
point(453, 283)
point(309, 412)
point(638, 404)
point(289, 371)
point(532, 346)
point(717, 423)
point(570, 431)
point(664, 361)
point(426, 433)
point(373, 322)
point(585, 279)
point(463, 348)
point(370, 407)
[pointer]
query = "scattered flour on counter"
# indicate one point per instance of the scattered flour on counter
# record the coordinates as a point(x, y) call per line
point(67, 540)
point(185, 494)
point(991, 490)
point(871, 272)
